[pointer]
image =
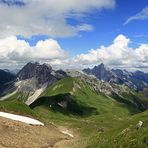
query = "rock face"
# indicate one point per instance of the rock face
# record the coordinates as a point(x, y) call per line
point(101, 72)
point(98, 85)
point(32, 78)
point(136, 80)
point(5, 79)
point(41, 72)
point(121, 93)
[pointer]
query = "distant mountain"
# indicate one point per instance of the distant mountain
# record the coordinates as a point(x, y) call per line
point(110, 110)
point(32, 79)
point(6, 79)
point(121, 93)
point(102, 73)
point(6, 76)
point(136, 80)
point(14, 71)
point(42, 73)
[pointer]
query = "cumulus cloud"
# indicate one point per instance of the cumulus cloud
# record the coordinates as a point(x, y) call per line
point(143, 15)
point(14, 51)
point(48, 17)
point(118, 54)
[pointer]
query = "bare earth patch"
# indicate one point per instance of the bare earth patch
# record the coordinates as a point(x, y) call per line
point(17, 134)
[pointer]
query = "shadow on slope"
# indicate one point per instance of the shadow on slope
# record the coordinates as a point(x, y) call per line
point(132, 100)
point(65, 104)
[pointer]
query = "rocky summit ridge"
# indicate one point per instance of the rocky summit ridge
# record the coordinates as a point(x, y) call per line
point(135, 80)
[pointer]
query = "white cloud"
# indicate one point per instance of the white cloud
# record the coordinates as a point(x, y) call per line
point(85, 27)
point(47, 17)
point(118, 54)
point(143, 15)
point(13, 51)
point(16, 53)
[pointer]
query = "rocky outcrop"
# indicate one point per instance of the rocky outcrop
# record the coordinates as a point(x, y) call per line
point(136, 80)
point(42, 73)
point(99, 86)
point(101, 72)
point(121, 93)
point(33, 77)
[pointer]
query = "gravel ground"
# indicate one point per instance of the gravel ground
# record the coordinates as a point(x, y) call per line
point(16, 134)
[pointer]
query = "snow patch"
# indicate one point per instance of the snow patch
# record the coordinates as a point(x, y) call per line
point(21, 118)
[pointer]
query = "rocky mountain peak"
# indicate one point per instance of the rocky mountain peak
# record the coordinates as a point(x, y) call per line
point(100, 72)
point(100, 69)
point(101, 66)
point(41, 72)
point(135, 80)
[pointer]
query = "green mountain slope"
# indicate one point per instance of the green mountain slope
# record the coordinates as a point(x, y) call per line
point(17, 107)
point(99, 120)
point(96, 120)
point(74, 93)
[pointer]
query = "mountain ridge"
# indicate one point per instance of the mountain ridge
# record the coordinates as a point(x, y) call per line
point(135, 80)
point(34, 78)
point(101, 113)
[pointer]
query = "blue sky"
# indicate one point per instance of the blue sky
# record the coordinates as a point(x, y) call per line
point(107, 25)
point(73, 33)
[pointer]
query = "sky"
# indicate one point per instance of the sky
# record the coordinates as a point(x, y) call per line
point(74, 34)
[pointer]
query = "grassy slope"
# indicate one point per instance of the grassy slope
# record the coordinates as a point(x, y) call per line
point(17, 107)
point(19, 96)
point(98, 129)
point(101, 129)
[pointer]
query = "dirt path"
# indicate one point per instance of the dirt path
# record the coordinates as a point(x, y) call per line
point(17, 134)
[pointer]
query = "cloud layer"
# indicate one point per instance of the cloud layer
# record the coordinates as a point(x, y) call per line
point(143, 15)
point(47, 17)
point(119, 54)
point(18, 52)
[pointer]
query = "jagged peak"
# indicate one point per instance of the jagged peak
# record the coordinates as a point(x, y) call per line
point(100, 66)
point(35, 65)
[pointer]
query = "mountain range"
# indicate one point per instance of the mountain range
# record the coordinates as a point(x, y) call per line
point(31, 81)
point(135, 80)
point(108, 103)
point(45, 74)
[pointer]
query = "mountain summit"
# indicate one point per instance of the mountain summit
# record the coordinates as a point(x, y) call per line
point(136, 80)
point(100, 72)
point(41, 72)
